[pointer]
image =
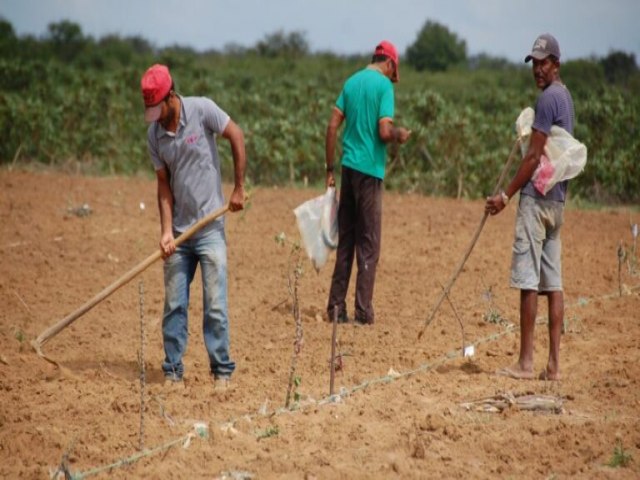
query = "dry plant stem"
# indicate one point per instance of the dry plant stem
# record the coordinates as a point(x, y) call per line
point(457, 318)
point(23, 302)
point(332, 373)
point(15, 157)
point(500, 402)
point(141, 361)
point(50, 332)
point(64, 462)
point(297, 345)
point(620, 260)
point(476, 235)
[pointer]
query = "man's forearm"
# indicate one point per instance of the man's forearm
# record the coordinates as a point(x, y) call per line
point(239, 163)
point(330, 147)
point(165, 208)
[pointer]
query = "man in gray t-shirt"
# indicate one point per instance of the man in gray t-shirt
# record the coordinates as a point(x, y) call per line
point(182, 144)
point(536, 262)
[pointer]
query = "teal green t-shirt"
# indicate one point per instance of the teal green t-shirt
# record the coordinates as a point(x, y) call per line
point(367, 96)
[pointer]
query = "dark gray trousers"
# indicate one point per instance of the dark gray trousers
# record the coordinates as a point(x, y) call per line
point(359, 226)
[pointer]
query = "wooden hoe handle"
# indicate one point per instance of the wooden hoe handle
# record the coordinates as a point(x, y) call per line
point(53, 330)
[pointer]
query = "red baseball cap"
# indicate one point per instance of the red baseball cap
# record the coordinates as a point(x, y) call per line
point(156, 84)
point(388, 49)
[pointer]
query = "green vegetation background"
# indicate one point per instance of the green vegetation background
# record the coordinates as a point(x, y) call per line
point(74, 103)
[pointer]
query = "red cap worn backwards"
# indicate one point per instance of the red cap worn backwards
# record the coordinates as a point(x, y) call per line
point(388, 49)
point(156, 84)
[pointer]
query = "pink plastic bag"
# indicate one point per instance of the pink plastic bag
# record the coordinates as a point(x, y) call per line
point(543, 175)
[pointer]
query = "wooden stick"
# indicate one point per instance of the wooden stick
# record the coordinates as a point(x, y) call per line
point(474, 239)
point(332, 371)
point(455, 312)
point(143, 377)
point(621, 255)
point(50, 332)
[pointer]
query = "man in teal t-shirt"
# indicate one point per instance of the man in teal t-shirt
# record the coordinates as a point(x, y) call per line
point(366, 105)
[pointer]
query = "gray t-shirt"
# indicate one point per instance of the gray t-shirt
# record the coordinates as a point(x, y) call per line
point(191, 158)
point(553, 107)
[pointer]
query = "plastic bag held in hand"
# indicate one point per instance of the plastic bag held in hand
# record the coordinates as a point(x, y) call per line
point(564, 157)
point(318, 224)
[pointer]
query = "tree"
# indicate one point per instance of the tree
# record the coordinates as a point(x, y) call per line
point(7, 33)
point(484, 61)
point(619, 66)
point(436, 48)
point(8, 38)
point(585, 76)
point(67, 40)
point(291, 45)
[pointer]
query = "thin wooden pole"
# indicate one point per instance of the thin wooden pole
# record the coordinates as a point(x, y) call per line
point(474, 239)
point(334, 333)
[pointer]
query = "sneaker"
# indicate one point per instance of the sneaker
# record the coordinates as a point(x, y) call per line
point(171, 381)
point(221, 383)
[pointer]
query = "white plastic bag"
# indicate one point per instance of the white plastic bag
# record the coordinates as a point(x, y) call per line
point(317, 221)
point(564, 157)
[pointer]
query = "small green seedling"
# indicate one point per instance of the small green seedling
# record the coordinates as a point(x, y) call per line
point(492, 315)
point(20, 336)
point(620, 458)
point(270, 431)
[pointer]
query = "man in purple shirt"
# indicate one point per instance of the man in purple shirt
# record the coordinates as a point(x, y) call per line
point(536, 263)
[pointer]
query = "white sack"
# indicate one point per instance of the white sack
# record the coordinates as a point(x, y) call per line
point(317, 221)
point(564, 157)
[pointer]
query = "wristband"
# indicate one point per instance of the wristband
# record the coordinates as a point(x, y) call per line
point(505, 198)
point(329, 168)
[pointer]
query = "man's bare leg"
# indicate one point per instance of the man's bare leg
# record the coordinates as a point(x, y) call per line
point(528, 311)
point(556, 318)
point(523, 368)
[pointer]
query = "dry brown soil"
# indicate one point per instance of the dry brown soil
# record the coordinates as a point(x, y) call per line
point(85, 414)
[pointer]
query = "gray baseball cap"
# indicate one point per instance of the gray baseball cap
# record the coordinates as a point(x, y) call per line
point(545, 45)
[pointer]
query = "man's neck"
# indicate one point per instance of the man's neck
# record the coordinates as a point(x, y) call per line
point(173, 119)
point(378, 67)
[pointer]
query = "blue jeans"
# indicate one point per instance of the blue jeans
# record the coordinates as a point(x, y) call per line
point(210, 251)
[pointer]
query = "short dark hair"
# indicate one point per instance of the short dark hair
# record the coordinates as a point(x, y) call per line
point(379, 58)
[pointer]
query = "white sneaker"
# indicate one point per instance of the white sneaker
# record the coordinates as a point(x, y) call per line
point(221, 383)
point(171, 382)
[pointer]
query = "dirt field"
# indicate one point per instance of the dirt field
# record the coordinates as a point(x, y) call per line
point(86, 414)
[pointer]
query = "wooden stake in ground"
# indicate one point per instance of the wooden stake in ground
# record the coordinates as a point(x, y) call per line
point(474, 239)
point(621, 255)
point(332, 372)
point(143, 379)
point(50, 332)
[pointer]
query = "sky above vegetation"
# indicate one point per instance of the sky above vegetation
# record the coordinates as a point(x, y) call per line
point(501, 28)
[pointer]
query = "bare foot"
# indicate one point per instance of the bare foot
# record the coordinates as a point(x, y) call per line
point(514, 371)
point(546, 374)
